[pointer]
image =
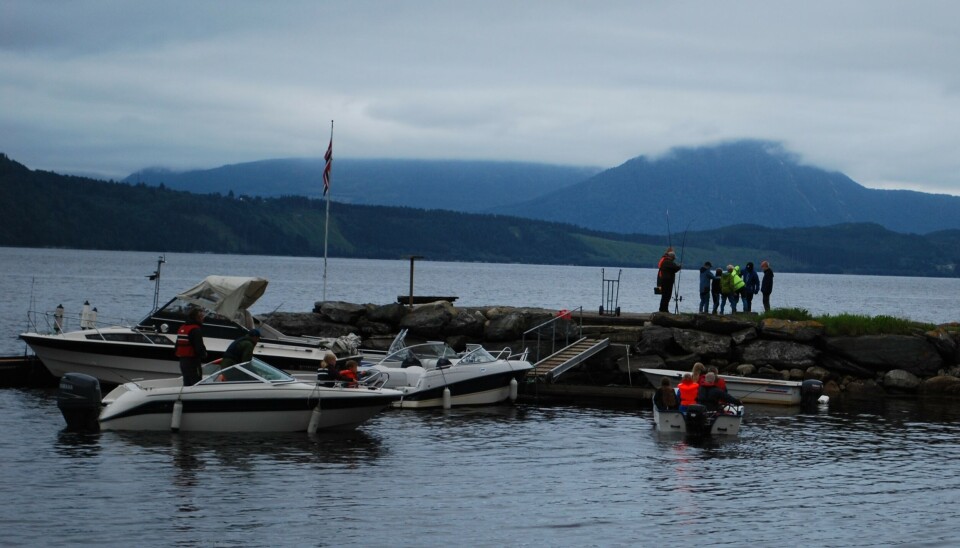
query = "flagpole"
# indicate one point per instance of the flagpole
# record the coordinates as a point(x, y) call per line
point(326, 192)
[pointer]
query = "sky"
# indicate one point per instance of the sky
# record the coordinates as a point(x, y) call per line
point(870, 88)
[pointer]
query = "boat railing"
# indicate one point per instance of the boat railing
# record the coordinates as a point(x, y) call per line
point(55, 323)
point(561, 328)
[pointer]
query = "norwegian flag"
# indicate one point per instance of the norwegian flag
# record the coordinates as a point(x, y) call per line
point(326, 169)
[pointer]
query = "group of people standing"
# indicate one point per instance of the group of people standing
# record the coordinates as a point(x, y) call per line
point(702, 386)
point(731, 285)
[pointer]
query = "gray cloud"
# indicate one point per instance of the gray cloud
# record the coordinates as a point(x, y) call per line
point(864, 87)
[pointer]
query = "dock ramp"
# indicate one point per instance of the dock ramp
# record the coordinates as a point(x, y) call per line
point(558, 363)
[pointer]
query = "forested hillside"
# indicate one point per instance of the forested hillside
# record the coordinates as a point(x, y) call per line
point(44, 209)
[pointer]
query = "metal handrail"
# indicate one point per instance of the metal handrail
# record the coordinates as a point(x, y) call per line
point(551, 326)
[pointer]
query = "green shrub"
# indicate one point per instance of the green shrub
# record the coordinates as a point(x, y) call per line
point(856, 325)
point(792, 314)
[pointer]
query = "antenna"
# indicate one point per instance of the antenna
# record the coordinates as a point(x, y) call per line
point(155, 277)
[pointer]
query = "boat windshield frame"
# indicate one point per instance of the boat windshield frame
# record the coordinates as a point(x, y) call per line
point(476, 354)
point(255, 370)
point(429, 350)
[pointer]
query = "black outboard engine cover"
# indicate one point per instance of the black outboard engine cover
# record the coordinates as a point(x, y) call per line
point(443, 363)
point(696, 419)
point(810, 392)
point(79, 401)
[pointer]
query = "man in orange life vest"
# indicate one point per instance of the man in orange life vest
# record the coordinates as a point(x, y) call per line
point(688, 391)
point(189, 347)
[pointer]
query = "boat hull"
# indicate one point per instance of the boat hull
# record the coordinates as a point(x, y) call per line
point(468, 385)
point(673, 422)
point(288, 408)
point(746, 389)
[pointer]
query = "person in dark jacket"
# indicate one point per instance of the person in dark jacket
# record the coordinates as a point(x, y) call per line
point(189, 347)
point(712, 397)
point(715, 289)
point(766, 286)
point(666, 277)
point(241, 350)
point(706, 278)
point(751, 286)
point(666, 396)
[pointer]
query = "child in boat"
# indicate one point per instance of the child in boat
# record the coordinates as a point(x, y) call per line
point(349, 374)
point(666, 396)
point(688, 391)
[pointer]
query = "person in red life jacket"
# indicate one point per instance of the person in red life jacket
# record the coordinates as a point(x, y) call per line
point(688, 391)
point(667, 270)
point(721, 384)
point(350, 375)
point(189, 347)
point(666, 396)
point(712, 397)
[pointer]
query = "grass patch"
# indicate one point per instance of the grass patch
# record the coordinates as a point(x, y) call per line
point(852, 325)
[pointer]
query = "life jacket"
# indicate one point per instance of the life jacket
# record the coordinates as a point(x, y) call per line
point(737, 280)
point(350, 377)
point(183, 348)
point(688, 393)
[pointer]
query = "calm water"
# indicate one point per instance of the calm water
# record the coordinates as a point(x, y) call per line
point(505, 476)
point(116, 283)
point(848, 475)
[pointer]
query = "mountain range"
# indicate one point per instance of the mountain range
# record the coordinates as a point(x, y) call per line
point(741, 182)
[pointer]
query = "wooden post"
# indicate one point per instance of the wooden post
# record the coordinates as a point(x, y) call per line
point(410, 295)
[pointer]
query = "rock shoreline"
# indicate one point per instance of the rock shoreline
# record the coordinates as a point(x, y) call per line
point(924, 363)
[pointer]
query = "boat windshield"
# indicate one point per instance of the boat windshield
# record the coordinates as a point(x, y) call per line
point(425, 351)
point(251, 371)
point(476, 354)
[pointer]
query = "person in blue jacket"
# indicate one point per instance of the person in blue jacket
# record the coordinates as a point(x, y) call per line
point(751, 286)
point(706, 278)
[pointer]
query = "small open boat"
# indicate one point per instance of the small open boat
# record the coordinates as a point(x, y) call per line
point(753, 390)
point(245, 397)
point(697, 421)
point(435, 375)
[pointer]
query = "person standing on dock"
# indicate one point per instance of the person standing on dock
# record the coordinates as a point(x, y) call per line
point(667, 276)
point(751, 286)
point(189, 347)
point(706, 278)
point(766, 286)
point(715, 289)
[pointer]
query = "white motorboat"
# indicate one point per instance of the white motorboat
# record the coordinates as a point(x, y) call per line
point(434, 375)
point(753, 390)
point(697, 421)
point(246, 397)
point(119, 354)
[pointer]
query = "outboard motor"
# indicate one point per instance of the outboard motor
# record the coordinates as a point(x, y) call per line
point(79, 401)
point(810, 392)
point(696, 419)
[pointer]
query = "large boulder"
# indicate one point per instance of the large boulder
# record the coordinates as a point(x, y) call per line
point(467, 324)
point(508, 327)
point(723, 325)
point(429, 320)
point(702, 343)
point(389, 313)
point(941, 385)
point(683, 321)
point(780, 354)
point(655, 340)
point(744, 335)
point(680, 363)
point(339, 311)
point(882, 353)
point(900, 380)
point(841, 366)
point(637, 363)
point(944, 341)
point(799, 331)
point(306, 323)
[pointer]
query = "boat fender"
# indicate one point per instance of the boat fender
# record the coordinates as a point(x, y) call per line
point(177, 415)
point(446, 397)
point(314, 420)
point(513, 389)
point(79, 401)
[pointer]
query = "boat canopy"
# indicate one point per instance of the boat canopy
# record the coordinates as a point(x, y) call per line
point(225, 295)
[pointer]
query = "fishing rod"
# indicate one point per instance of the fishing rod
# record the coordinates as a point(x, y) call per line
point(676, 287)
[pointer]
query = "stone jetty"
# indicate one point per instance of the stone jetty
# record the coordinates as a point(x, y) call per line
point(922, 363)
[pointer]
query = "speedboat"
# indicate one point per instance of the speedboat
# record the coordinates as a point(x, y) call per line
point(433, 374)
point(754, 390)
point(245, 397)
point(119, 354)
point(697, 421)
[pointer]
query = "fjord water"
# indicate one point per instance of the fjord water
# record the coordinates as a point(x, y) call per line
point(850, 474)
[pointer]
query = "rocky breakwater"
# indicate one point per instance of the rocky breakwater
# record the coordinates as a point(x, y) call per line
point(495, 327)
point(865, 366)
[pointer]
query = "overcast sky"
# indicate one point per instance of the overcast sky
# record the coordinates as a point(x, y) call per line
point(869, 88)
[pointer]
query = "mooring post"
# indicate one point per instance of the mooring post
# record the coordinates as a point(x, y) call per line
point(410, 295)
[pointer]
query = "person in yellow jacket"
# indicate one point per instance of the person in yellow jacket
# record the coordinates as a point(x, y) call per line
point(730, 286)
